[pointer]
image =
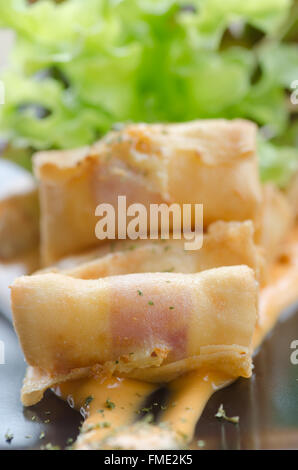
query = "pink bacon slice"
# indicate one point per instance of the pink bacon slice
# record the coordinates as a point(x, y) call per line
point(148, 326)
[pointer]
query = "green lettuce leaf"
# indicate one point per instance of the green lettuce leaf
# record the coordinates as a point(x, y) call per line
point(277, 164)
point(79, 66)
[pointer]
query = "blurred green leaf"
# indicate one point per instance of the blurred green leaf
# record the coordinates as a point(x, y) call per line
point(81, 65)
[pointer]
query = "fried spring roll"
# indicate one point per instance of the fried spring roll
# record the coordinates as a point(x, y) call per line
point(209, 162)
point(19, 224)
point(276, 219)
point(225, 244)
point(148, 326)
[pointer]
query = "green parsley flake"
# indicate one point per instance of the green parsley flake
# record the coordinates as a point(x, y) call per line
point(8, 437)
point(104, 424)
point(110, 404)
point(88, 400)
point(221, 414)
point(201, 443)
point(50, 446)
point(148, 418)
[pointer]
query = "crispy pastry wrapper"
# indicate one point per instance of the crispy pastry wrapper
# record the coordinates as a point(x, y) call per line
point(225, 244)
point(276, 219)
point(209, 162)
point(152, 327)
point(19, 211)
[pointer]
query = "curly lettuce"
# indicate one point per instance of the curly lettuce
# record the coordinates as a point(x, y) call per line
point(80, 66)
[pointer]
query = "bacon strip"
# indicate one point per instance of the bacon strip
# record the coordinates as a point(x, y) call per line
point(211, 162)
point(149, 326)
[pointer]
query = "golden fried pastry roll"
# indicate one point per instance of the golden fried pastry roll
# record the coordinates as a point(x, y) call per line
point(148, 326)
point(209, 162)
point(19, 224)
point(276, 220)
point(37, 381)
point(225, 244)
